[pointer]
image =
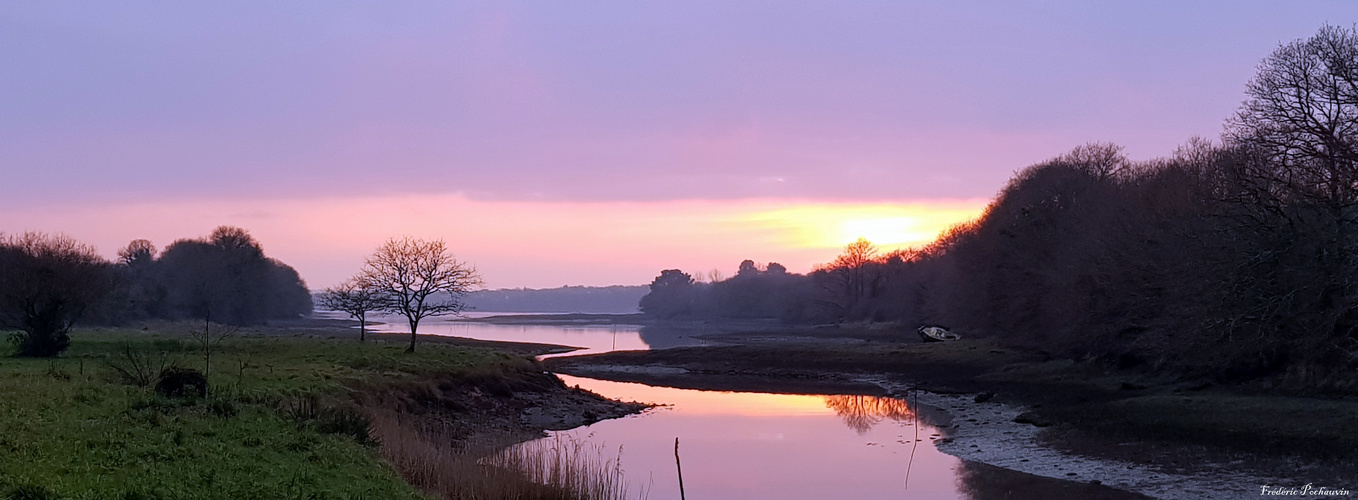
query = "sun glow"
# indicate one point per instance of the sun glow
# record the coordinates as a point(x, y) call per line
point(593, 243)
point(887, 225)
point(884, 231)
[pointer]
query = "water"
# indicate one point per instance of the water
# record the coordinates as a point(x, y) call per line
point(589, 339)
point(737, 445)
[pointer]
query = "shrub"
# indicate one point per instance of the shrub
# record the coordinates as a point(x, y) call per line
point(139, 367)
point(181, 382)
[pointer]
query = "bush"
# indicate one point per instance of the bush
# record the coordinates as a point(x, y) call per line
point(338, 419)
point(181, 382)
point(140, 367)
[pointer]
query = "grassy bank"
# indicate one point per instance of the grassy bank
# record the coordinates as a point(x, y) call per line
point(286, 417)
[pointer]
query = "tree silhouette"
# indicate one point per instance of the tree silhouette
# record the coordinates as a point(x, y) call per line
point(672, 294)
point(1302, 113)
point(851, 277)
point(46, 284)
point(355, 299)
point(137, 254)
point(418, 279)
point(226, 278)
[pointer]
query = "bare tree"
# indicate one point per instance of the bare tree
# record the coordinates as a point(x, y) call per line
point(1295, 162)
point(418, 279)
point(354, 298)
point(1302, 113)
point(852, 275)
point(1102, 160)
point(138, 253)
point(46, 284)
point(208, 339)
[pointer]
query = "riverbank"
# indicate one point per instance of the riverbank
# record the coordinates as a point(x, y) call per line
point(293, 410)
point(1040, 415)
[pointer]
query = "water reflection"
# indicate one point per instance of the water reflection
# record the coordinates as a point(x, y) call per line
point(667, 336)
point(754, 445)
point(861, 413)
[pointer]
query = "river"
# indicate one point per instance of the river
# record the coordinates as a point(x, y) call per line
point(742, 445)
point(590, 339)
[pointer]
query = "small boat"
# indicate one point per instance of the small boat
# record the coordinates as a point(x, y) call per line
point(937, 334)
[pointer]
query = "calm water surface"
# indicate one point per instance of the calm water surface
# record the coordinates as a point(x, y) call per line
point(738, 445)
point(590, 338)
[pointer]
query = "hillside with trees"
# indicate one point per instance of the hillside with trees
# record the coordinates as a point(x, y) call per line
point(1236, 258)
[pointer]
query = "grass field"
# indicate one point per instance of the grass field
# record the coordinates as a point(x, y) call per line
point(275, 425)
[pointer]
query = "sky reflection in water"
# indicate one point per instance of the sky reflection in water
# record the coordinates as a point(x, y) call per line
point(591, 338)
point(750, 445)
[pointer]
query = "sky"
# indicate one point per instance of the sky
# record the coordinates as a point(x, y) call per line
point(589, 143)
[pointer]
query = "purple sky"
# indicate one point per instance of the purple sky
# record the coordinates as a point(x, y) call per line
point(114, 103)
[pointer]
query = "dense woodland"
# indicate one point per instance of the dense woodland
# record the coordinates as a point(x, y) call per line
point(1235, 258)
point(49, 282)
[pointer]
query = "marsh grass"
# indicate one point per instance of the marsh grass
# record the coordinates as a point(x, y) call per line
point(568, 463)
point(549, 469)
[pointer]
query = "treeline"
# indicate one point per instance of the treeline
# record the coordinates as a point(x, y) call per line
point(49, 282)
point(854, 287)
point(567, 299)
point(1236, 258)
point(753, 292)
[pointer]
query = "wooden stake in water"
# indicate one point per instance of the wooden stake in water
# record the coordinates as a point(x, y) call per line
point(679, 468)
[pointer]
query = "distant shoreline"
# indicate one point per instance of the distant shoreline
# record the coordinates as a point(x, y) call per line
point(561, 319)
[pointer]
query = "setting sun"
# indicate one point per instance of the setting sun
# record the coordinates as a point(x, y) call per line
point(888, 225)
point(884, 231)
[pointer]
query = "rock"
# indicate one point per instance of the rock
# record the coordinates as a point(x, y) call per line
point(1033, 418)
point(984, 396)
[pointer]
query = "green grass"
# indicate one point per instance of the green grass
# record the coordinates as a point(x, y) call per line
point(71, 428)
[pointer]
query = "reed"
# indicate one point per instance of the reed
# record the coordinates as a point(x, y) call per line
point(422, 451)
point(569, 464)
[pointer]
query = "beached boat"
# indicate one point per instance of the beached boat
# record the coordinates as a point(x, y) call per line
point(936, 334)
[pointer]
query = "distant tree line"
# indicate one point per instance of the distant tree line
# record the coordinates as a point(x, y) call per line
point(753, 292)
point(567, 299)
point(1235, 258)
point(49, 282)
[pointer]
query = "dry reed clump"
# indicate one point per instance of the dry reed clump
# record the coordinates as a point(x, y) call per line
point(568, 464)
point(423, 452)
